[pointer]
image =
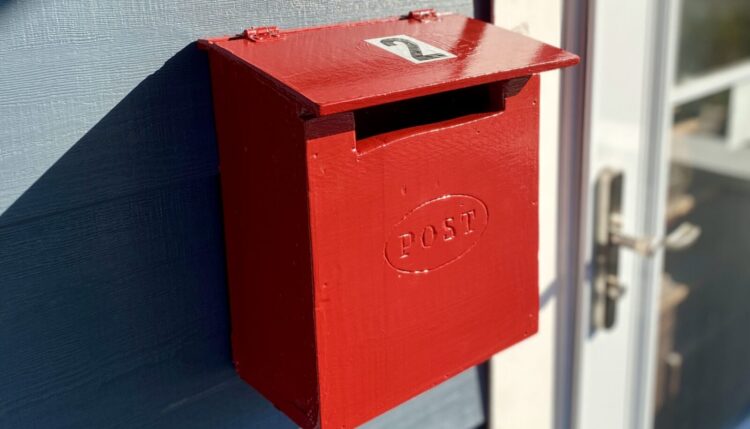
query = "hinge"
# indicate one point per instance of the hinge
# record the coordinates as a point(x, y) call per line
point(259, 34)
point(423, 15)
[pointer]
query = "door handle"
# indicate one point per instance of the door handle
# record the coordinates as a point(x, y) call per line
point(609, 239)
point(680, 238)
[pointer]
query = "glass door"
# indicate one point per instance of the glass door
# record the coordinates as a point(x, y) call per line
point(664, 318)
point(703, 353)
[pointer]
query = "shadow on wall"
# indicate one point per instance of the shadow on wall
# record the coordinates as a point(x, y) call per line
point(4, 3)
point(114, 312)
point(114, 309)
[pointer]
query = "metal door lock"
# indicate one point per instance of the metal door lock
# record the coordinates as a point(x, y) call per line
point(609, 239)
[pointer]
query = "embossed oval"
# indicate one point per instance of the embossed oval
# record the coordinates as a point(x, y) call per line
point(436, 233)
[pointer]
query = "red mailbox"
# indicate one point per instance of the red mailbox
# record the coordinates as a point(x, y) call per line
point(379, 182)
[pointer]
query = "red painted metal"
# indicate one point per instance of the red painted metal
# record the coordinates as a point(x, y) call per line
point(380, 215)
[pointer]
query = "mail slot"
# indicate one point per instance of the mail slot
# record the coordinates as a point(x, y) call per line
point(379, 185)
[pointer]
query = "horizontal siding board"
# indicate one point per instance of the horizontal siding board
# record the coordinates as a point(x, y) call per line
point(66, 67)
point(94, 293)
point(114, 309)
point(456, 403)
point(161, 132)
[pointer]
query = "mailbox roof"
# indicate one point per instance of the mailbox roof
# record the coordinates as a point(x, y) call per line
point(334, 69)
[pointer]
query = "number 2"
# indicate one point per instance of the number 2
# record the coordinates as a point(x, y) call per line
point(414, 49)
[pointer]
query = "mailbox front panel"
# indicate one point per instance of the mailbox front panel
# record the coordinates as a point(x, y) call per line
point(424, 251)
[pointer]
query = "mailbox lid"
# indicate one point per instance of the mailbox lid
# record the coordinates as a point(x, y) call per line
point(334, 69)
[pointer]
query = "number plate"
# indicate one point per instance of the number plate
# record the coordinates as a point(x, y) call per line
point(411, 49)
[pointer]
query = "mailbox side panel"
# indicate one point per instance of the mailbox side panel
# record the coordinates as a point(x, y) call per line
point(264, 192)
point(425, 255)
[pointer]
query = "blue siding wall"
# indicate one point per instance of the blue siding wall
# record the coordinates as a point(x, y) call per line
point(113, 307)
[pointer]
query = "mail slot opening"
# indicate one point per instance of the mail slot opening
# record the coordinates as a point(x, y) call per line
point(378, 124)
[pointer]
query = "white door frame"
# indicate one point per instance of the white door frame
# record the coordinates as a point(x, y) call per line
point(629, 126)
point(532, 383)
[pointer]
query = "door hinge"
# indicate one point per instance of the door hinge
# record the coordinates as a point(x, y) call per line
point(259, 34)
point(423, 15)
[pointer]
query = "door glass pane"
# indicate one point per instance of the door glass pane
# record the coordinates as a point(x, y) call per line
point(706, 117)
point(713, 34)
point(703, 370)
